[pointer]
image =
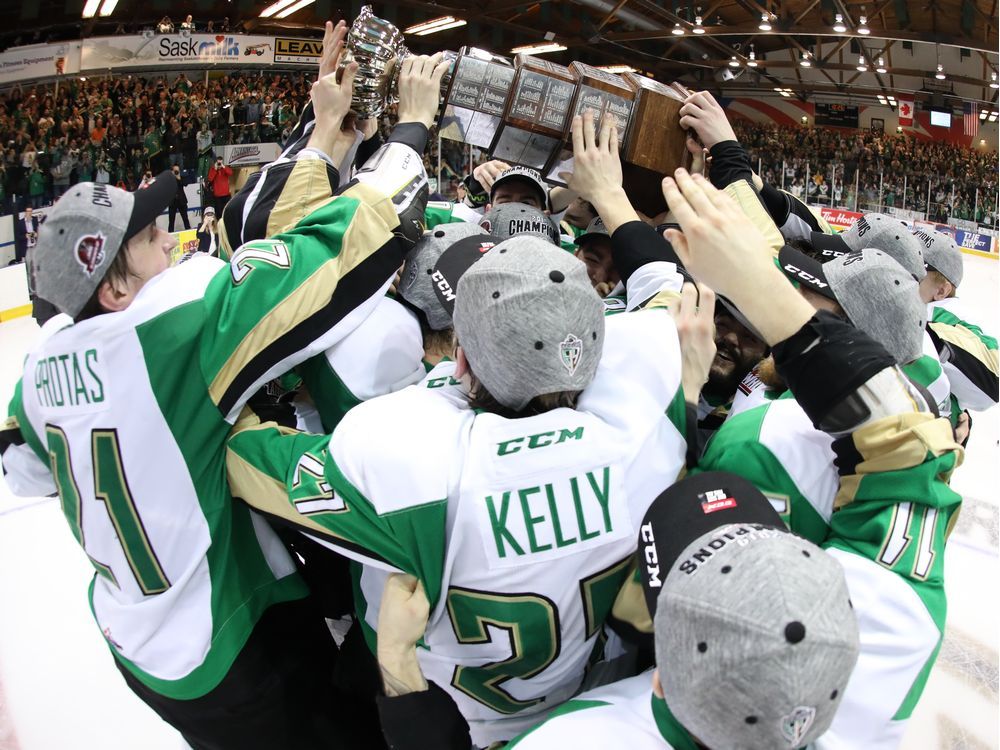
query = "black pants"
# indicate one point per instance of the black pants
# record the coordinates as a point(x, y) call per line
point(174, 210)
point(278, 694)
point(219, 201)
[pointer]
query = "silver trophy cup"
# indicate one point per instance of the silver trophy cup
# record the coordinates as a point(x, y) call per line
point(377, 46)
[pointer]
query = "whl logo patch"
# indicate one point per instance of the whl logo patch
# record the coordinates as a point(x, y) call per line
point(714, 500)
point(89, 252)
point(570, 353)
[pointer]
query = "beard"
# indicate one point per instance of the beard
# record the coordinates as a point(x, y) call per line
point(728, 368)
point(768, 374)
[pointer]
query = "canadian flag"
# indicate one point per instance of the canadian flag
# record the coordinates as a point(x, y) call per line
point(906, 112)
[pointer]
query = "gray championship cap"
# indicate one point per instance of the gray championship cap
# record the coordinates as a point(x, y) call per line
point(876, 293)
point(753, 626)
point(941, 254)
point(527, 318)
point(595, 229)
point(416, 286)
point(881, 231)
point(84, 232)
point(510, 219)
point(527, 175)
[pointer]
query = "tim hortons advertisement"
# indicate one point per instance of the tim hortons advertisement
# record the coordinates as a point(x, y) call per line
point(839, 218)
point(168, 50)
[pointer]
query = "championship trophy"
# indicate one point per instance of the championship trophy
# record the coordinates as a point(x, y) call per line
point(522, 112)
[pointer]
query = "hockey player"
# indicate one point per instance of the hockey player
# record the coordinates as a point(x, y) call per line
point(968, 354)
point(128, 397)
point(508, 496)
point(894, 588)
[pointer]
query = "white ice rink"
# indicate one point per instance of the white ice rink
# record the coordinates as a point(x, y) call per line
point(59, 687)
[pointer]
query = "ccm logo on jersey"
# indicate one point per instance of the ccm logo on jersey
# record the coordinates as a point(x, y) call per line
point(806, 276)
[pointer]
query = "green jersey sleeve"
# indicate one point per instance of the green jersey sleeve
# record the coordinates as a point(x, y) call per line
point(284, 299)
point(294, 477)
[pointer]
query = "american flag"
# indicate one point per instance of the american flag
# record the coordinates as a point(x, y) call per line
point(970, 117)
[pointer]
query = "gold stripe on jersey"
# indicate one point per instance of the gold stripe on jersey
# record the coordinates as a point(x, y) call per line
point(259, 490)
point(896, 443)
point(367, 233)
point(744, 194)
point(630, 606)
point(964, 339)
point(306, 189)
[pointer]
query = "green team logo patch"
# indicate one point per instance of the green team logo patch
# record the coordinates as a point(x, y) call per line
point(570, 353)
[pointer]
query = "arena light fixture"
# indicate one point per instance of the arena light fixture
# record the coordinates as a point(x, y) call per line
point(881, 66)
point(805, 62)
point(862, 65)
point(538, 49)
point(882, 99)
point(983, 114)
point(993, 81)
point(617, 68)
point(734, 63)
point(294, 8)
point(784, 92)
point(678, 30)
point(698, 28)
point(992, 117)
point(270, 10)
point(863, 26)
point(435, 25)
point(752, 60)
point(940, 72)
point(108, 8)
point(90, 8)
point(765, 22)
point(838, 24)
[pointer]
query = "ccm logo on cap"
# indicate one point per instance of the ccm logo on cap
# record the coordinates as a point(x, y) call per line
point(714, 500)
point(442, 283)
point(805, 276)
point(89, 252)
point(649, 555)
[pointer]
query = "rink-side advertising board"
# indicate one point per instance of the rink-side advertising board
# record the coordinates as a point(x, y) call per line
point(289, 50)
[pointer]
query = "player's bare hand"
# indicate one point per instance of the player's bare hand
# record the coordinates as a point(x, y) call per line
point(703, 114)
point(698, 156)
point(332, 100)
point(694, 315)
point(488, 172)
point(597, 167)
point(333, 47)
point(403, 613)
point(717, 243)
point(420, 87)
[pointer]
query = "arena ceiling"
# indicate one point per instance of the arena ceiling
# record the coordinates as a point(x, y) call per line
point(910, 37)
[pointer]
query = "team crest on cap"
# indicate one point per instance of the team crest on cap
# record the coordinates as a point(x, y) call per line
point(795, 725)
point(571, 352)
point(89, 252)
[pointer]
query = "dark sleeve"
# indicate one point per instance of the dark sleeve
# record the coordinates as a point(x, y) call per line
point(413, 134)
point(427, 719)
point(776, 203)
point(730, 162)
point(635, 244)
point(367, 149)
